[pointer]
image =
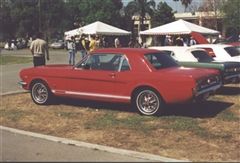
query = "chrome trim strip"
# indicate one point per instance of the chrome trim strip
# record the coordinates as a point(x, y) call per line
point(94, 94)
point(213, 88)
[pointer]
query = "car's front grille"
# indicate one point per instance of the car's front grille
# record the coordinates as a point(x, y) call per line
point(232, 71)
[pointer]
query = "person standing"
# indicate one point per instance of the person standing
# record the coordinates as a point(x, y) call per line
point(39, 50)
point(192, 41)
point(179, 41)
point(92, 45)
point(82, 46)
point(117, 43)
point(71, 46)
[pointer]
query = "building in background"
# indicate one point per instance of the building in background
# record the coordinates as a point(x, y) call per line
point(211, 19)
point(137, 22)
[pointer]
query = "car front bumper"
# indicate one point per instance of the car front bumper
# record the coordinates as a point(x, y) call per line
point(22, 84)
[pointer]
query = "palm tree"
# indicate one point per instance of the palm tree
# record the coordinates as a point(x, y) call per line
point(141, 7)
point(185, 3)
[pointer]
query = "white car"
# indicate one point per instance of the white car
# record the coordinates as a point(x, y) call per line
point(57, 44)
point(179, 53)
point(221, 52)
point(199, 58)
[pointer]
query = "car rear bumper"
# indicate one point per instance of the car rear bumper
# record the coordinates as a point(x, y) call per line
point(206, 92)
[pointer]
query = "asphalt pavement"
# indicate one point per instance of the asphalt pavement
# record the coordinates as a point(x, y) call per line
point(17, 145)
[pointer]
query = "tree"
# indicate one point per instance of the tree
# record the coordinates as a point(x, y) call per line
point(163, 14)
point(23, 18)
point(185, 3)
point(22, 15)
point(89, 11)
point(51, 15)
point(141, 7)
point(6, 25)
point(231, 18)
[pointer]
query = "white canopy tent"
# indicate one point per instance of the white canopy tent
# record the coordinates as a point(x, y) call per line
point(177, 28)
point(97, 28)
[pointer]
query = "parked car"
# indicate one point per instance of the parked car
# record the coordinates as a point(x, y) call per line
point(59, 44)
point(221, 52)
point(195, 57)
point(236, 45)
point(144, 77)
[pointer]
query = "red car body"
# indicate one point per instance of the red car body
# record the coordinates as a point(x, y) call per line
point(171, 83)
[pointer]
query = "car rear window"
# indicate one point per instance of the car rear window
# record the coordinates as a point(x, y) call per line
point(232, 51)
point(160, 60)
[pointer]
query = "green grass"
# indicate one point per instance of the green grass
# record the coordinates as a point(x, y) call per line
point(69, 115)
point(13, 115)
point(133, 122)
point(4, 60)
point(178, 123)
point(228, 116)
point(140, 124)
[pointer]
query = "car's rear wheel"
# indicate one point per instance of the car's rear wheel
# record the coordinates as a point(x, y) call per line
point(148, 102)
point(40, 93)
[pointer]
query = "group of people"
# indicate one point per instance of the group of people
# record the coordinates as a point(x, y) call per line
point(83, 45)
point(39, 47)
point(179, 41)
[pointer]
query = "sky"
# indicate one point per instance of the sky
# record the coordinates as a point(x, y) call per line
point(176, 6)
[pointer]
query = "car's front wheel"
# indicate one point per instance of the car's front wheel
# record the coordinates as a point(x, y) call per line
point(40, 93)
point(148, 102)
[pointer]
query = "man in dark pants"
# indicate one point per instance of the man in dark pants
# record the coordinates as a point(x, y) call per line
point(39, 49)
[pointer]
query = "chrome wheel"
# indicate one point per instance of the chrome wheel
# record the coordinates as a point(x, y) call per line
point(40, 93)
point(147, 102)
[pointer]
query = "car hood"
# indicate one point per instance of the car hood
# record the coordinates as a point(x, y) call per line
point(231, 64)
point(46, 69)
point(212, 65)
point(56, 66)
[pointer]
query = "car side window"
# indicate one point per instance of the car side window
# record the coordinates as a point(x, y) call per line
point(106, 62)
point(201, 56)
point(171, 54)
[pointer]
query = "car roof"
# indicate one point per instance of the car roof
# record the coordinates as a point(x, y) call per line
point(181, 53)
point(175, 48)
point(127, 51)
point(212, 45)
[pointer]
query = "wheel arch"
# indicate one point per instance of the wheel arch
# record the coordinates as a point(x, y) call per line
point(38, 80)
point(141, 87)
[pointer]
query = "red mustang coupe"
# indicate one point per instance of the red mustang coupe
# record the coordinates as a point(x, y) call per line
point(146, 78)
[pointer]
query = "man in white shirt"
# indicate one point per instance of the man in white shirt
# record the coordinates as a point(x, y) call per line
point(117, 43)
point(192, 41)
point(39, 50)
point(71, 46)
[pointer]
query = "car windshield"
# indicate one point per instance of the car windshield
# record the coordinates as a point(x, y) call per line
point(232, 51)
point(202, 56)
point(160, 60)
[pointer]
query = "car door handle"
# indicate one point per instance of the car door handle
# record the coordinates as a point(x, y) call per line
point(112, 75)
